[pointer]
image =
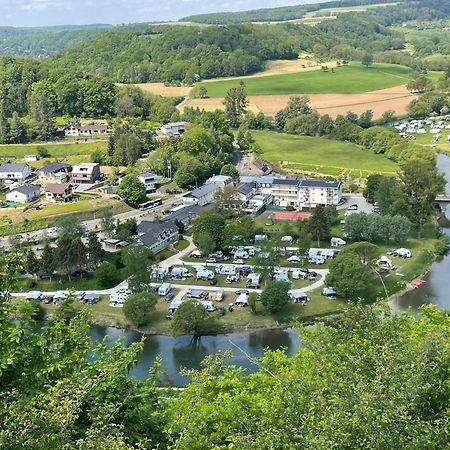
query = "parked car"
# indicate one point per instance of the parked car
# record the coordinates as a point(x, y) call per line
point(213, 281)
point(353, 207)
point(168, 297)
point(245, 270)
point(211, 260)
point(238, 261)
point(242, 291)
point(294, 259)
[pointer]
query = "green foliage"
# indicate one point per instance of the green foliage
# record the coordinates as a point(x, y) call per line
point(236, 104)
point(319, 224)
point(132, 190)
point(138, 308)
point(231, 171)
point(138, 261)
point(349, 275)
point(107, 275)
point(193, 319)
point(275, 296)
point(367, 370)
point(210, 224)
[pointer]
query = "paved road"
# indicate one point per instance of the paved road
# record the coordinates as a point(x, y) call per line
point(95, 223)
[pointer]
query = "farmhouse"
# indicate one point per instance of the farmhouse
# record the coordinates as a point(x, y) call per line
point(202, 195)
point(14, 172)
point(149, 180)
point(86, 173)
point(24, 194)
point(58, 192)
point(157, 236)
point(54, 173)
point(85, 130)
point(173, 129)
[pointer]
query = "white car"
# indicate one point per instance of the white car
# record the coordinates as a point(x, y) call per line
point(238, 261)
point(294, 259)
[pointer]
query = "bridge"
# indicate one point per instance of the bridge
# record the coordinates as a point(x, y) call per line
point(443, 201)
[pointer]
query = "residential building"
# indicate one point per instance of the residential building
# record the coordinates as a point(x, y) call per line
point(220, 180)
point(58, 193)
point(185, 214)
point(319, 192)
point(150, 180)
point(11, 172)
point(157, 236)
point(76, 130)
point(54, 173)
point(24, 194)
point(173, 129)
point(285, 192)
point(86, 173)
point(202, 195)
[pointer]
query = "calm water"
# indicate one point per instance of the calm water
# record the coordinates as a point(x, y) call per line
point(180, 352)
point(177, 353)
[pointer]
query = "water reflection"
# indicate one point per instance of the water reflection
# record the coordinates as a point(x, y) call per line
point(181, 352)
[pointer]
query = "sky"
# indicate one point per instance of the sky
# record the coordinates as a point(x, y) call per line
point(77, 12)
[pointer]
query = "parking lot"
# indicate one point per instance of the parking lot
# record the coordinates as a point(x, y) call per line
point(356, 199)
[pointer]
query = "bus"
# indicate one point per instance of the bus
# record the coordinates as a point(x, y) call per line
point(150, 204)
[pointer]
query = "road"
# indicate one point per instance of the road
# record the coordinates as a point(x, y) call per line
point(45, 233)
point(176, 260)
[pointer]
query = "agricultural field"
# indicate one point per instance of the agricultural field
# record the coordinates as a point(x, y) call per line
point(72, 153)
point(351, 79)
point(320, 156)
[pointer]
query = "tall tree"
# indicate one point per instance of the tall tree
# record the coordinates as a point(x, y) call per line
point(138, 308)
point(17, 133)
point(193, 319)
point(236, 104)
point(4, 128)
point(94, 250)
point(132, 190)
point(275, 296)
point(43, 117)
point(138, 261)
point(420, 183)
point(230, 170)
point(211, 223)
point(48, 260)
point(319, 224)
point(31, 263)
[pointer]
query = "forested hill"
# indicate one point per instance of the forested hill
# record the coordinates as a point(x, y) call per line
point(279, 14)
point(42, 42)
point(187, 54)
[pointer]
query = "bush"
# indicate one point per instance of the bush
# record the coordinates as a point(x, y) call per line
point(107, 275)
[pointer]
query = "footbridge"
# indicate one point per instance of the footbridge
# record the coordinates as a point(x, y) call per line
point(443, 201)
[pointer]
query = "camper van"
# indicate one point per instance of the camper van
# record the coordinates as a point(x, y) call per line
point(205, 274)
point(225, 270)
point(299, 274)
point(164, 289)
point(179, 273)
point(329, 292)
point(233, 278)
point(208, 305)
point(195, 293)
point(240, 253)
point(336, 242)
point(402, 253)
point(253, 280)
point(174, 305)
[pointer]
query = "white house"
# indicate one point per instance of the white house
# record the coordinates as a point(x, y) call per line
point(173, 129)
point(220, 180)
point(149, 180)
point(24, 194)
point(14, 172)
point(86, 173)
point(202, 195)
point(76, 130)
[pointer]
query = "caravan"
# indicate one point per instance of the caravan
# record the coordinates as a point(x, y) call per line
point(205, 274)
point(164, 289)
point(180, 273)
point(225, 270)
point(336, 242)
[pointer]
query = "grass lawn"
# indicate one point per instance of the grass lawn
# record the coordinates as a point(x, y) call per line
point(352, 79)
point(181, 245)
point(320, 155)
point(60, 151)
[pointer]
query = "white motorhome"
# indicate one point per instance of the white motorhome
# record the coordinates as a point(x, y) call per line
point(205, 274)
point(242, 300)
point(240, 253)
point(208, 305)
point(299, 274)
point(336, 242)
point(179, 273)
point(402, 253)
point(164, 289)
point(174, 305)
point(298, 296)
point(225, 269)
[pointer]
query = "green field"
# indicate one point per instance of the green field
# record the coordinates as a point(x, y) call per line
point(72, 153)
point(320, 155)
point(352, 79)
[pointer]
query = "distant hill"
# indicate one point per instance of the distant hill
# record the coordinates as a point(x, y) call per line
point(46, 41)
point(279, 14)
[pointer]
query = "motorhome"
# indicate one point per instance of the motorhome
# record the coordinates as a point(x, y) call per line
point(179, 273)
point(299, 274)
point(164, 289)
point(336, 242)
point(298, 296)
point(242, 300)
point(205, 274)
point(225, 269)
point(208, 305)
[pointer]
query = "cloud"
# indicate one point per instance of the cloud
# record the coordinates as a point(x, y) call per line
point(59, 12)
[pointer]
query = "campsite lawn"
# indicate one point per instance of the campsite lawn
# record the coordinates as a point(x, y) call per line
point(320, 155)
point(351, 79)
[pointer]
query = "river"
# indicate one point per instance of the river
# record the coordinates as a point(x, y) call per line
point(180, 352)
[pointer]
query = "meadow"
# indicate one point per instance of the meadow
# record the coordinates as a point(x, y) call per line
point(73, 153)
point(320, 155)
point(351, 79)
